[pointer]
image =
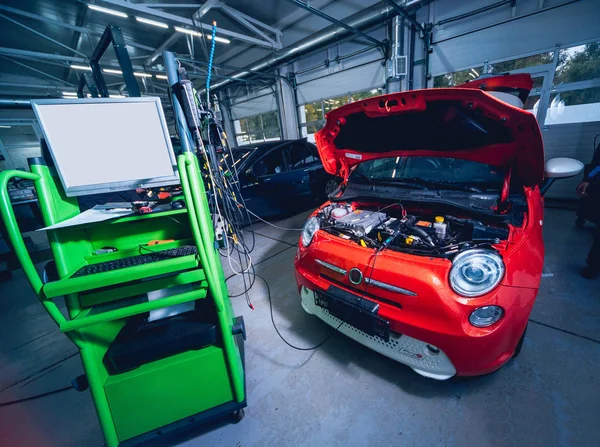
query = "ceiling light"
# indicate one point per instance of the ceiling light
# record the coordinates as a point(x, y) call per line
point(219, 39)
point(69, 93)
point(161, 77)
point(112, 71)
point(142, 75)
point(152, 22)
point(81, 67)
point(188, 31)
point(108, 11)
point(5, 127)
point(117, 96)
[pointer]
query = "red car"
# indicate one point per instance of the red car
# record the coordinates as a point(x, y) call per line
point(431, 251)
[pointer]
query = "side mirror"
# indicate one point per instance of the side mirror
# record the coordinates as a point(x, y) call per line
point(557, 168)
point(563, 168)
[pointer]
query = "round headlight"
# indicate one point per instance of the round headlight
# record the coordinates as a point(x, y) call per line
point(476, 272)
point(485, 316)
point(308, 231)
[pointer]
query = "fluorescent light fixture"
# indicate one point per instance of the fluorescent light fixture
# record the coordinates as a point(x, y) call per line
point(218, 39)
point(69, 93)
point(475, 71)
point(152, 22)
point(108, 11)
point(112, 71)
point(188, 31)
point(142, 75)
point(161, 77)
point(117, 96)
point(5, 127)
point(81, 67)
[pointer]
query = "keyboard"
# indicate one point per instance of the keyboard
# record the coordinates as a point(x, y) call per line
point(132, 261)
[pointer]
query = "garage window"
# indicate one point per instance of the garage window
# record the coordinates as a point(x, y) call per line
point(312, 115)
point(257, 128)
point(457, 78)
point(460, 77)
point(575, 97)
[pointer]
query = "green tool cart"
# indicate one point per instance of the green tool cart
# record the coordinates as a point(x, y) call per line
point(143, 384)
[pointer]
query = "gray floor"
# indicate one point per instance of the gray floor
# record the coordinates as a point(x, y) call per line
point(342, 393)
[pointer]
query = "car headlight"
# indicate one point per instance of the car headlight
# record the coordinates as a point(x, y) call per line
point(308, 231)
point(476, 272)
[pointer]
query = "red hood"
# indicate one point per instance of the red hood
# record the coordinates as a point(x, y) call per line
point(464, 123)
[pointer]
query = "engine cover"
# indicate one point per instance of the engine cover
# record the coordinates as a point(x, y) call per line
point(361, 222)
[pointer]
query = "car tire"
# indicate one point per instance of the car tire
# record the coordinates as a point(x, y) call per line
point(520, 344)
point(330, 186)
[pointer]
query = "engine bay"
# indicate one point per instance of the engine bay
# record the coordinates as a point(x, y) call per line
point(428, 232)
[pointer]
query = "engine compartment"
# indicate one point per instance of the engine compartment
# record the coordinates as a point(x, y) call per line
point(425, 231)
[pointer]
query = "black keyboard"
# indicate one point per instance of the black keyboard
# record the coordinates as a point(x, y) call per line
point(132, 261)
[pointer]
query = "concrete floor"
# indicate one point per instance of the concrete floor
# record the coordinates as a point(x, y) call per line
point(342, 393)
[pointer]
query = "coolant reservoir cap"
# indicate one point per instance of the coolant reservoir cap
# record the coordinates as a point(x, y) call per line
point(439, 219)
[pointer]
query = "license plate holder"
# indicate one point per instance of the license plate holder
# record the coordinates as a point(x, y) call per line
point(368, 322)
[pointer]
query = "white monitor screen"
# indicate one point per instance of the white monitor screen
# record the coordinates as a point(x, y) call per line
point(102, 145)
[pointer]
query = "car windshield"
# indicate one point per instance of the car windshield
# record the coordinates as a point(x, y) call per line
point(430, 173)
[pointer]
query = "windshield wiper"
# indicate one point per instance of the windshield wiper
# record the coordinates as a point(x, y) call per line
point(445, 184)
point(407, 183)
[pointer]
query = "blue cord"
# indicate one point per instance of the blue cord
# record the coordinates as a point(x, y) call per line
point(210, 62)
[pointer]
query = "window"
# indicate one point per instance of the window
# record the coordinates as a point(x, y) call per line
point(257, 128)
point(580, 63)
point(523, 62)
point(575, 106)
point(302, 154)
point(457, 78)
point(576, 96)
point(272, 163)
point(460, 77)
point(531, 105)
point(312, 115)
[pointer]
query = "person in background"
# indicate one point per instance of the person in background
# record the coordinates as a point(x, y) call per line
point(589, 209)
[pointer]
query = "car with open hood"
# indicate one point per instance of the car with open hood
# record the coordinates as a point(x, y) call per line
point(430, 251)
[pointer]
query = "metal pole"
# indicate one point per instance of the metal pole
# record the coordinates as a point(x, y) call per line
point(180, 122)
point(42, 35)
point(337, 22)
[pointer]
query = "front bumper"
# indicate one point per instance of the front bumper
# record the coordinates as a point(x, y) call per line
point(432, 363)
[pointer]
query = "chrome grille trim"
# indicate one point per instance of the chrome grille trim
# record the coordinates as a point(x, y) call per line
point(331, 267)
point(391, 288)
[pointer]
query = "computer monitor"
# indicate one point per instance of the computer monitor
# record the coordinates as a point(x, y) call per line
point(103, 145)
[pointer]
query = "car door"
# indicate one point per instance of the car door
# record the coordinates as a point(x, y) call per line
point(264, 190)
point(305, 171)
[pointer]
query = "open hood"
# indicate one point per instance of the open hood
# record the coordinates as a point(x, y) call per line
point(463, 122)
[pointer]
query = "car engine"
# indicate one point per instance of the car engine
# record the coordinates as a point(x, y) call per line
point(428, 232)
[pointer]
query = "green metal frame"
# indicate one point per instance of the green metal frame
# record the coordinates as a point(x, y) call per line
point(205, 379)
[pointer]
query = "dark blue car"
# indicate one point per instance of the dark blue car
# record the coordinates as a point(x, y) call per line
point(281, 177)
